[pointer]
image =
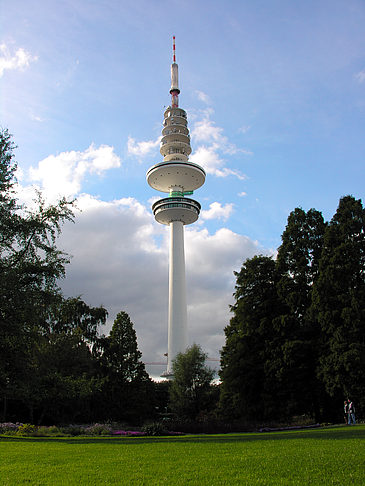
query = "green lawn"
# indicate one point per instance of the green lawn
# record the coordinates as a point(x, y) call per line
point(320, 456)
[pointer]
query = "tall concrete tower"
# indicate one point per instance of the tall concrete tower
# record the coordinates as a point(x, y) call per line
point(178, 177)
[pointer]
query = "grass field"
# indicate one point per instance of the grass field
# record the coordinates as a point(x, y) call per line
point(313, 456)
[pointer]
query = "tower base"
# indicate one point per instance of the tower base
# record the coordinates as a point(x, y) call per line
point(168, 375)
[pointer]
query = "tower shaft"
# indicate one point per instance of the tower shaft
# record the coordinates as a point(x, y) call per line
point(177, 324)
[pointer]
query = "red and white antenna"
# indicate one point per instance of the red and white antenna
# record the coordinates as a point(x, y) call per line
point(174, 91)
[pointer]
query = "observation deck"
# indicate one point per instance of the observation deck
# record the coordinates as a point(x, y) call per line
point(175, 173)
point(172, 209)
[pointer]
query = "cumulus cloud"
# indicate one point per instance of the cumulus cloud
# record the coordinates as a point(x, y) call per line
point(208, 157)
point(120, 253)
point(62, 175)
point(212, 147)
point(203, 97)
point(217, 254)
point(120, 257)
point(217, 211)
point(14, 60)
point(206, 131)
point(141, 149)
point(120, 260)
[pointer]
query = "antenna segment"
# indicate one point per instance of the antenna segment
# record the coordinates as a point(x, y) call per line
point(174, 91)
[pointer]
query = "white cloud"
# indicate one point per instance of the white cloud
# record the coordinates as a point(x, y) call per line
point(208, 157)
point(20, 59)
point(141, 149)
point(120, 260)
point(217, 211)
point(206, 131)
point(360, 76)
point(36, 118)
point(66, 171)
point(203, 97)
point(220, 253)
point(242, 194)
point(211, 145)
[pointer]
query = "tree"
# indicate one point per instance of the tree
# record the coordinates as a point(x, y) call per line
point(30, 265)
point(72, 316)
point(297, 336)
point(298, 259)
point(249, 360)
point(190, 387)
point(58, 379)
point(338, 301)
point(127, 384)
point(298, 265)
point(60, 376)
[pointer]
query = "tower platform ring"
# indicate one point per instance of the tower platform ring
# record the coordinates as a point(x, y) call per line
point(165, 175)
point(172, 209)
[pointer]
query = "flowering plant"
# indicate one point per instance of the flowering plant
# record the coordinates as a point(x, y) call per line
point(98, 429)
point(130, 433)
point(26, 429)
point(7, 427)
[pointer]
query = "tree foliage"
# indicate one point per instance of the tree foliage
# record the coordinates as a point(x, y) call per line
point(190, 387)
point(50, 368)
point(296, 340)
point(127, 386)
point(248, 361)
point(339, 302)
point(30, 265)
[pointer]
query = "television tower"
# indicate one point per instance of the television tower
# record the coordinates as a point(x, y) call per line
point(178, 177)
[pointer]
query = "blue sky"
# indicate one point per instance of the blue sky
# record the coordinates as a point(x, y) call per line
point(275, 96)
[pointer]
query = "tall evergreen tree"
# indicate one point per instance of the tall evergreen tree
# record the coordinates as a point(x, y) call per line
point(298, 263)
point(339, 302)
point(249, 364)
point(298, 259)
point(127, 384)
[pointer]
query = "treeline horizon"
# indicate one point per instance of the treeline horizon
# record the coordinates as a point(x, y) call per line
point(295, 344)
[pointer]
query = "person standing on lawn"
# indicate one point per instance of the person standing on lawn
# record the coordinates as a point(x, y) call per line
point(351, 412)
point(345, 412)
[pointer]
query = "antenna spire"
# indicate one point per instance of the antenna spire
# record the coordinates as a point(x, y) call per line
point(174, 91)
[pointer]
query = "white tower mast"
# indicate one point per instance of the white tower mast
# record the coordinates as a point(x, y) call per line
point(178, 177)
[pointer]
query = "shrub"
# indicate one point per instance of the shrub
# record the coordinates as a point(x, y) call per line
point(156, 428)
point(72, 430)
point(27, 429)
point(9, 427)
point(44, 431)
point(129, 433)
point(98, 429)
